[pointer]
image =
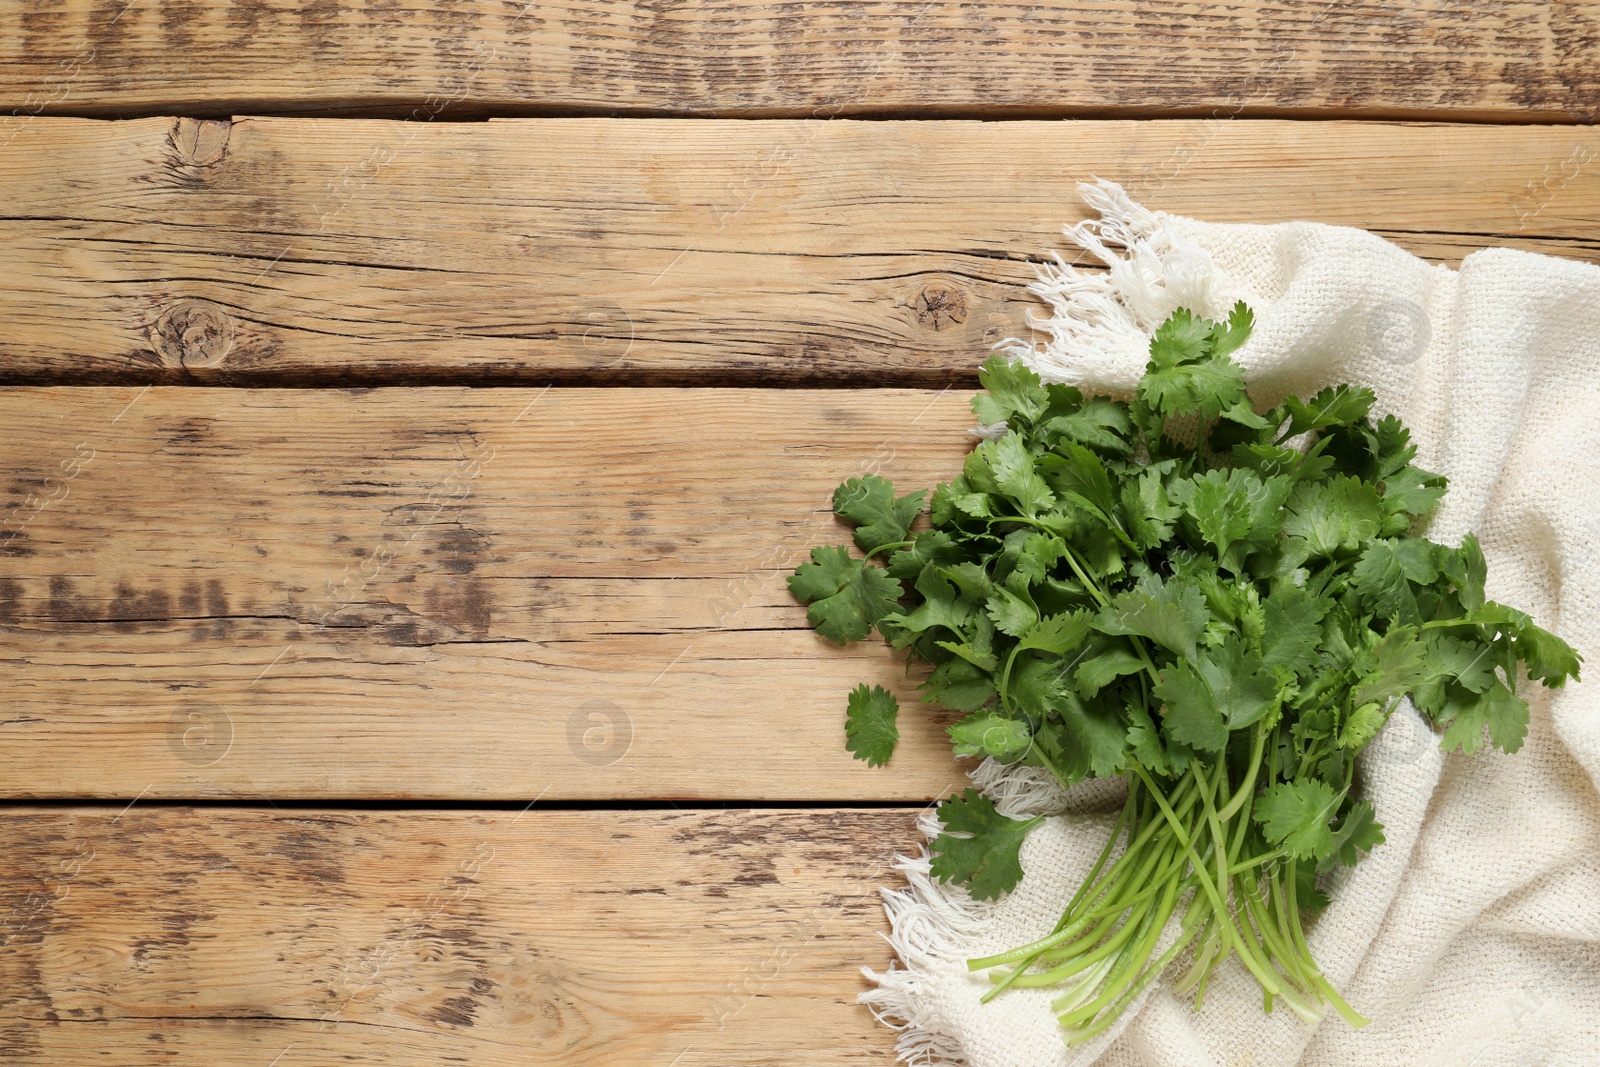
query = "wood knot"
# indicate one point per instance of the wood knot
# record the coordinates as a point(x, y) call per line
point(192, 333)
point(200, 142)
point(938, 306)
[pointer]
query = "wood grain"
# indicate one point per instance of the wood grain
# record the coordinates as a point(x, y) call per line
point(1474, 59)
point(444, 593)
point(294, 251)
point(227, 937)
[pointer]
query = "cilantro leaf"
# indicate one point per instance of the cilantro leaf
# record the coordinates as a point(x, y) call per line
point(1057, 633)
point(1226, 337)
point(1296, 815)
point(870, 503)
point(1098, 423)
point(1013, 390)
point(1232, 507)
point(1337, 405)
point(1466, 570)
point(1293, 627)
point(1358, 832)
point(1548, 657)
point(1011, 471)
point(1386, 571)
point(1088, 739)
point(934, 547)
point(1213, 694)
point(1097, 672)
point(1172, 614)
point(941, 606)
point(1465, 714)
point(870, 731)
point(1390, 668)
point(1412, 491)
point(1011, 613)
point(959, 684)
point(1191, 716)
point(1078, 473)
point(1334, 515)
point(1146, 511)
point(979, 848)
point(1204, 388)
point(989, 734)
point(848, 596)
point(1183, 338)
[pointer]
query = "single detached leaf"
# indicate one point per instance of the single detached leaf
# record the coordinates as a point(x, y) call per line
point(1296, 814)
point(869, 728)
point(979, 848)
point(870, 503)
point(848, 596)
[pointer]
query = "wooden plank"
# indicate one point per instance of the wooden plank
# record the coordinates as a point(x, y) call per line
point(244, 937)
point(445, 593)
point(1474, 59)
point(293, 251)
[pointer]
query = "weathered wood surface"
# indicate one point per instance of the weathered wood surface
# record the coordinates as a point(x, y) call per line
point(443, 593)
point(294, 251)
point(1398, 58)
point(241, 937)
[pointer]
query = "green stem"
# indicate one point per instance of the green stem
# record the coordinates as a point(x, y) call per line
point(881, 548)
point(1257, 744)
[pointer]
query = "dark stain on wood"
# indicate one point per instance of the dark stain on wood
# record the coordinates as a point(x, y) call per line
point(129, 606)
point(455, 1011)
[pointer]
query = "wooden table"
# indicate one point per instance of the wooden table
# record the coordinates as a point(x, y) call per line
point(398, 664)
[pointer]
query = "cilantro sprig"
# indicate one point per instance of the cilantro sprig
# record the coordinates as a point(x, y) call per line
point(1222, 603)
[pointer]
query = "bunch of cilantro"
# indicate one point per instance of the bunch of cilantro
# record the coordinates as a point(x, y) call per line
point(1221, 604)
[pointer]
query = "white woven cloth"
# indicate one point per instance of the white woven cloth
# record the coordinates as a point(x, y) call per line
point(1472, 938)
